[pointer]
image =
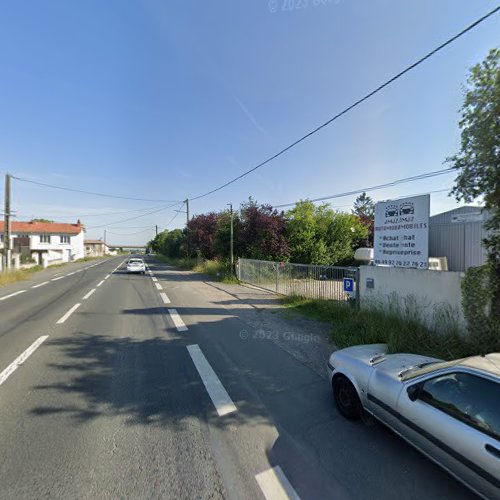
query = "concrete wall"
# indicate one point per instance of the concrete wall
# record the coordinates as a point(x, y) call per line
point(432, 297)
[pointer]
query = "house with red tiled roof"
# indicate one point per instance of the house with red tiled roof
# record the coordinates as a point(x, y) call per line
point(46, 242)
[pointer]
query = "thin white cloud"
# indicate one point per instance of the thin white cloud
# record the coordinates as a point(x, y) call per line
point(249, 115)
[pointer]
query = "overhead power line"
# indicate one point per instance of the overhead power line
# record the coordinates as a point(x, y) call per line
point(355, 104)
point(110, 224)
point(103, 214)
point(374, 188)
point(90, 192)
point(177, 212)
point(131, 234)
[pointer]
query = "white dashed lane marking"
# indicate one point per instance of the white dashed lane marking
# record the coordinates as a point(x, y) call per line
point(89, 294)
point(41, 284)
point(5, 374)
point(12, 295)
point(68, 314)
point(56, 279)
point(219, 396)
point(100, 283)
point(177, 320)
point(158, 286)
point(275, 485)
point(164, 297)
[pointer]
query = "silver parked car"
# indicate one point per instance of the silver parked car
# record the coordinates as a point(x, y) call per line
point(448, 410)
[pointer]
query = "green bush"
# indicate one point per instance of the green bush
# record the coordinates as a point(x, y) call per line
point(477, 296)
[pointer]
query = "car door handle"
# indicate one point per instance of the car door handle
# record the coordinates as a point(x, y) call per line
point(491, 449)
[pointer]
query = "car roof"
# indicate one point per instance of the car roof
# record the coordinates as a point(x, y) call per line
point(487, 363)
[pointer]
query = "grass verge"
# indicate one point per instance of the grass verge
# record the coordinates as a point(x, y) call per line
point(219, 270)
point(15, 275)
point(351, 326)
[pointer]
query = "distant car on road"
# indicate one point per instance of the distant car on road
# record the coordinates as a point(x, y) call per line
point(136, 266)
point(448, 410)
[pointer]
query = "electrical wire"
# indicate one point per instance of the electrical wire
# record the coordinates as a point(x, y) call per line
point(132, 218)
point(355, 104)
point(103, 214)
point(89, 192)
point(374, 188)
point(130, 234)
point(170, 221)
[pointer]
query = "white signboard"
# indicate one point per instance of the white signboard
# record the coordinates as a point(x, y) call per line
point(402, 232)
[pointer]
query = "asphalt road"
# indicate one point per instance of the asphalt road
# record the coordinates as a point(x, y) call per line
point(149, 388)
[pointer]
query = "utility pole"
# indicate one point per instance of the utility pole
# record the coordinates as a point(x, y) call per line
point(156, 229)
point(232, 239)
point(186, 201)
point(105, 237)
point(6, 225)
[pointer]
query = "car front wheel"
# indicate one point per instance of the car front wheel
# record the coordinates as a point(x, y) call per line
point(346, 398)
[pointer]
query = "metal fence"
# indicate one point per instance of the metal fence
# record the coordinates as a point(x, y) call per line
point(315, 282)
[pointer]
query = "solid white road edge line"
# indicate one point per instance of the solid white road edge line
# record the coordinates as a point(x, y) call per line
point(89, 294)
point(41, 284)
point(107, 276)
point(158, 286)
point(55, 279)
point(179, 324)
point(12, 295)
point(100, 283)
point(164, 297)
point(219, 396)
point(70, 274)
point(68, 314)
point(275, 485)
point(21, 359)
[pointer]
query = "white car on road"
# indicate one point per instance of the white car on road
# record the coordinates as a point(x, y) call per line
point(136, 266)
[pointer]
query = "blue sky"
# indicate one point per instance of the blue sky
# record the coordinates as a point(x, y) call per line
point(165, 100)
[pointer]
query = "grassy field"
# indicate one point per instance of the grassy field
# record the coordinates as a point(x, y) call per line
point(351, 326)
point(220, 271)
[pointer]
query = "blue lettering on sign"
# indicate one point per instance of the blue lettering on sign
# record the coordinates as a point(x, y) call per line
point(348, 285)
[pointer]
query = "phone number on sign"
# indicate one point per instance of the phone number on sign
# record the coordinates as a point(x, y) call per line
point(289, 5)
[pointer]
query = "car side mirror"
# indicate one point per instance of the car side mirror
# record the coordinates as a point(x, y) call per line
point(413, 392)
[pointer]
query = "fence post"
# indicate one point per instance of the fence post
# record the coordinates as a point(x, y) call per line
point(277, 275)
point(358, 281)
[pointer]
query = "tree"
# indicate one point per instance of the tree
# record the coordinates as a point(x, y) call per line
point(201, 234)
point(319, 235)
point(222, 240)
point(263, 232)
point(42, 220)
point(364, 209)
point(478, 161)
